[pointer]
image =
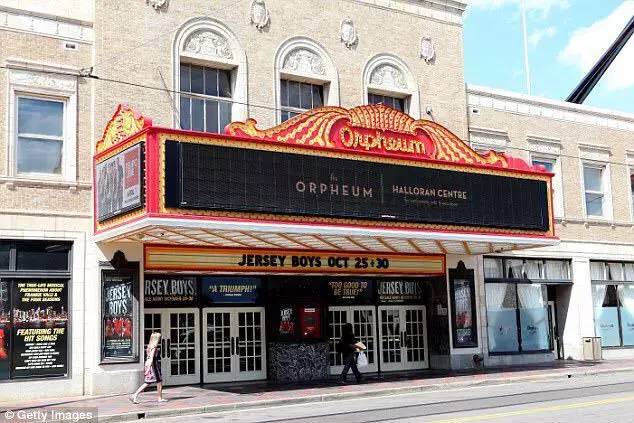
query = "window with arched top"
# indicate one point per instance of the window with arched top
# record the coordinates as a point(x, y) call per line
point(305, 78)
point(210, 76)
point(387, 80)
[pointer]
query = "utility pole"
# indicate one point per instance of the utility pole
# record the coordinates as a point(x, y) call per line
point(527, 70)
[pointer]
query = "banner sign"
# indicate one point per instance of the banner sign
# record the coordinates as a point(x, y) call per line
point(161, 290)
point(117, 308)
point(399, 291)
point(40, 328)
point(209, 177)
point(231, 290)
point(351, 291)
point(288, 261)
point(119, 183)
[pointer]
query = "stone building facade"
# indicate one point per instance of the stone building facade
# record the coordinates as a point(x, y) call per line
point(198, 65)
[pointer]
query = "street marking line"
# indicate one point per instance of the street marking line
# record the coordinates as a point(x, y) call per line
point(535, 410)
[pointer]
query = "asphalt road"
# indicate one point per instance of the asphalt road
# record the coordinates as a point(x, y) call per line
point(589, 399)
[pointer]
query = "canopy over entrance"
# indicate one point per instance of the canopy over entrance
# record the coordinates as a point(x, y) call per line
point(368, 179)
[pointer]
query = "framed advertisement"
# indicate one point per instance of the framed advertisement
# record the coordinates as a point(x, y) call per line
point(310, 322)
point(40, 328)
point(119, 183)
point(119, 311)
point(5, 330)
point(463, 308)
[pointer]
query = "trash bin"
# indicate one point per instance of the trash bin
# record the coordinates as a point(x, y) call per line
point(592, 348)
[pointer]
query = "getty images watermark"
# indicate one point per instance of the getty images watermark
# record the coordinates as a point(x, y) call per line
point(61, 414)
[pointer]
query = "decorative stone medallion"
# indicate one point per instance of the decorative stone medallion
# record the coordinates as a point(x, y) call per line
point(348, 33)
point(208, 43)
point(427, 51)
point(304, 61)
point(260, 16)
point(158, 4)
point(388, 76)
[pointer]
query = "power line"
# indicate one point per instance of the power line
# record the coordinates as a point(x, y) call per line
point(254, 105)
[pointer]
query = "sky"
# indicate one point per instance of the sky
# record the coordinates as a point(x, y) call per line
point(565, 39)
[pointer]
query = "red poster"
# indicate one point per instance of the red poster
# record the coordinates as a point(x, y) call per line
point(310, 322)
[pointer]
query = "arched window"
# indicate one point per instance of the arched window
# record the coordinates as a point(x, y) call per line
point(387, 80)
point(305, 78)
point(210, 74)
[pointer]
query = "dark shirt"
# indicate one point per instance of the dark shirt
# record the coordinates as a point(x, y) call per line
point(346, 343)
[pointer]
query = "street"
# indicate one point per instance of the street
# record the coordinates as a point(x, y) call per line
point(596, 399)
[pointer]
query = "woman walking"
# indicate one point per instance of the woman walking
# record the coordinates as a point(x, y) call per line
point(349, 350)
point(152, 369)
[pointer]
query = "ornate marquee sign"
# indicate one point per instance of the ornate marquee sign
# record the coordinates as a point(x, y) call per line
point(370, 166)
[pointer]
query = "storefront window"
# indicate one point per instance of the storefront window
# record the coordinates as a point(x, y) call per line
point(626, 300)
point(606, 314)
point(502, 317)
point(4, 256)
point(38, 255)
point(613, 297)
point(517, 302)
point(533, 309)
point(493, 268)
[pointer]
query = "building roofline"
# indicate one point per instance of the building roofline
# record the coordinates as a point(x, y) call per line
point(541, 101)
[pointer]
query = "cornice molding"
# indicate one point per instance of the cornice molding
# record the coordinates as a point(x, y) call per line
point(443, 10)
point(478, 96)
point(46, 25)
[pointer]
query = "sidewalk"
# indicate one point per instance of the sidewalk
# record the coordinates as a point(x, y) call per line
point(185, 400)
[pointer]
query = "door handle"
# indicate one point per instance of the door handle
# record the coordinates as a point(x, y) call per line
point(167, 350)
point(162, 348)
point(233, 349)
point(237, 346)
point(404, 341)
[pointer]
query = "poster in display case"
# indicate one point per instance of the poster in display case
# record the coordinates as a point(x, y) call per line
point(464, 322)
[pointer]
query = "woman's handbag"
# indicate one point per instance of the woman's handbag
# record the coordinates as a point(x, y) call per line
point(362, 360)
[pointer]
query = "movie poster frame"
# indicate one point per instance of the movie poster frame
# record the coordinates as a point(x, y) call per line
point(462, 273)
point(119, 266)
point(142, 196)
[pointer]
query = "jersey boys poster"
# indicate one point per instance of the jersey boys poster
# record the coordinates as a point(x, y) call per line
point(117, 316)
point(118, 183)
point(5, 334)
point(40, 328)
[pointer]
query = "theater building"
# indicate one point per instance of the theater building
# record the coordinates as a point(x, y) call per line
point(258, 245)
point(283, 168)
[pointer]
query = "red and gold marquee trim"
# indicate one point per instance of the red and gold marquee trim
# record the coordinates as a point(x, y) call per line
point(378, 130)
point(124, 124)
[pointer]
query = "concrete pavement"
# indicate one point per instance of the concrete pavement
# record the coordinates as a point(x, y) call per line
point(189, 400)
point(597, 399)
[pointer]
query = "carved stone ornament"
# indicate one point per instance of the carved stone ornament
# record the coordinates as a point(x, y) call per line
point(158, 4)
point(260, 16)
point(388, 76)
point(304, 61)
point(36, 79)
point(348, 33)
point(427, 51)
point(208, 43)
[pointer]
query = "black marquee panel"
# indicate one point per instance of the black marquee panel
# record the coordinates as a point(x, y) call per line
point(208, 177)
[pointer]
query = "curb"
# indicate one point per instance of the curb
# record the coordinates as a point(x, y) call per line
point(339, 396)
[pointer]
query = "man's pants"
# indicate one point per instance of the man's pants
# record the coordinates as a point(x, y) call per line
point(350, 362)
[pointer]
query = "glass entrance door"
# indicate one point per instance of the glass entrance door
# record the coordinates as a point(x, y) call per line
point(233, 344)
point(402, 338)
point(180, 343)
point(363, 322)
